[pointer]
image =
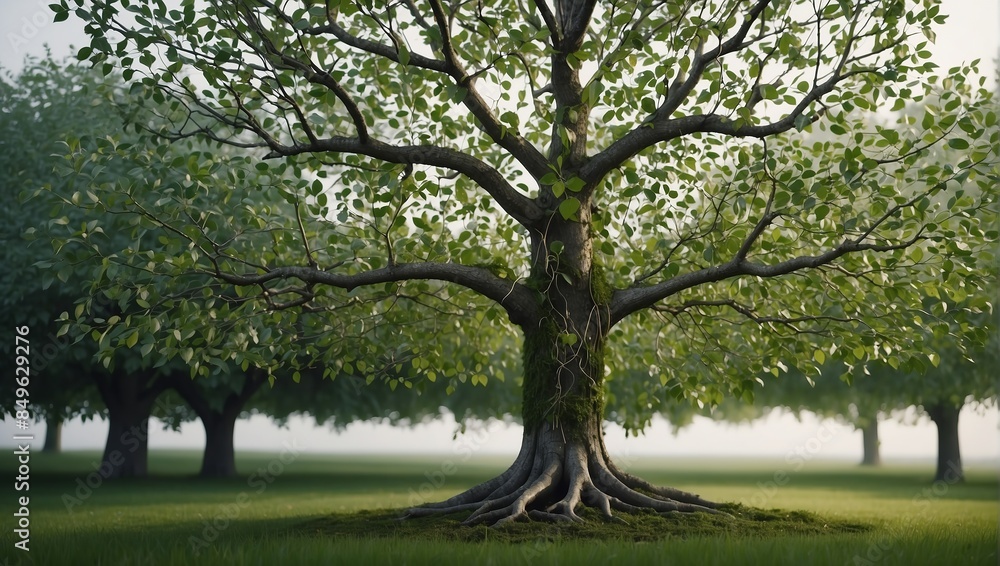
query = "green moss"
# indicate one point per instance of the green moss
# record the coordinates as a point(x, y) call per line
point(542, 400)
point(497, 268)
point(600, 286)
point(745, 522)
point(539, 367)
point(571, 413)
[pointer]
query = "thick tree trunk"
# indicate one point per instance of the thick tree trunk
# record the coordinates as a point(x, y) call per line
point(557, 469)
point(53, 435)
point(129, 399)
point(219, 457)
point(563, 462)
point(870, 443)
point(126, 451)
point(949, 457)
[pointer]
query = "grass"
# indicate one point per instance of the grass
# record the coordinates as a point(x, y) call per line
point(646, 527)
point(320, 509)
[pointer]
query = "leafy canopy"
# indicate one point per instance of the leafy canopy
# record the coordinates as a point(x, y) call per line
point(407, 164)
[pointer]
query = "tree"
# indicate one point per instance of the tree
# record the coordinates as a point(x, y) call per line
point(959, 379)
point(627, 174)
point(219, 401)
point(25, 162)
point(41, 104)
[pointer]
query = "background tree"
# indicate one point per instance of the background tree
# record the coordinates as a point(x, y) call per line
point(860, 399)
point(586, 174)
point(41, 105)
point(219, 401)
point(957, 380)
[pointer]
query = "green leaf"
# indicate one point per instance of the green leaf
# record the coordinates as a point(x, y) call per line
point(569, 208)
point(575, 184)
point(558, 188)
point(958, 143)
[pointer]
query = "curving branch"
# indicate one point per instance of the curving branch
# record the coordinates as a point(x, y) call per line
point(750, 313)
point(677, 94)
point(659, 127)
point(521, 149)
point(518, 300)
point(628, 301)
point(520, 207)
point(664, 130)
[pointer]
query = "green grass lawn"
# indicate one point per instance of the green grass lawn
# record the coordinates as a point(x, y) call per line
point(268, 516)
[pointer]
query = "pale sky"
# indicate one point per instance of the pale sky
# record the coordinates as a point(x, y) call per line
point(971, 32)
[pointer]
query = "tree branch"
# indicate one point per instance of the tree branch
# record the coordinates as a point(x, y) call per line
point(660, 131)
point(521, 208)
point(750, 313)
point(519, 301)
point(627, 301)
point(523, 151)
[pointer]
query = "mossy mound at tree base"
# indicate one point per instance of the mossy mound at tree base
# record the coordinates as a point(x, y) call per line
point(743, 522)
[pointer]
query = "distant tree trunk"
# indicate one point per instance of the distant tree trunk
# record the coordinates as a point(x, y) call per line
point(126, 451)
point(53, 435)
point(129, 399)
point(219, 458)
point(949, 458)
point(870, 443)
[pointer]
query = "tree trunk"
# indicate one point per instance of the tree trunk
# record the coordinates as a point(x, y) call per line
point(870, 443)
point(129, 399)
point(219, 458)
point(53, 435)
point(126, 451)
point(563, 461)
point(949, 457)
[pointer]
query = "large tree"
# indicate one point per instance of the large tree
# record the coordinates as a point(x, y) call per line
point(626, 173)
point(42, 104)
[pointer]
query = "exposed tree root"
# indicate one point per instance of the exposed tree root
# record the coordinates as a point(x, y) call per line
point(552, 476)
